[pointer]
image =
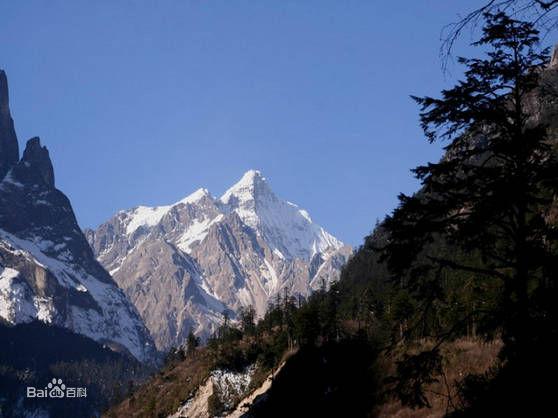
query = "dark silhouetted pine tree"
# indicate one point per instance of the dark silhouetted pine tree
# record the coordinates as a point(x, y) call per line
point(486, 202)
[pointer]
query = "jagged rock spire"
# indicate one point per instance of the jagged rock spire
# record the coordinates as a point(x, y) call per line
point(37, 158)
point(9, 151)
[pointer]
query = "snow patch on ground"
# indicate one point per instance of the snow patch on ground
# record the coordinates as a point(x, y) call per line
point(232, 386)
point(234, 389)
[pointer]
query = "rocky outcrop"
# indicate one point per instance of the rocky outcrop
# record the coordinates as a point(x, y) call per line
point(9, 151)
point(36, 164)
point(236, 392)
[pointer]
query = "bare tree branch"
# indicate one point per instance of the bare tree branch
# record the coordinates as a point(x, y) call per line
point(540, 12)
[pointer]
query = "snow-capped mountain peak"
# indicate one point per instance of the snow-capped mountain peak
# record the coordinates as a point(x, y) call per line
point(287, 229)
point(252, 185)
point(196, 196)
point(248, 196)
point(179, 262)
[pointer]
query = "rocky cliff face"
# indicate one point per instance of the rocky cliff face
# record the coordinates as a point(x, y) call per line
point(182, 265)
point(47, 269)
point(9, 151)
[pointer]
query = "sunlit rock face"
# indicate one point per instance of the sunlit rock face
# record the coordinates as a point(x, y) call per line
point(183, 264)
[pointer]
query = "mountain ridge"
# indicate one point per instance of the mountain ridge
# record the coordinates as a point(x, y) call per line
point(47, 269)
point(223, 253)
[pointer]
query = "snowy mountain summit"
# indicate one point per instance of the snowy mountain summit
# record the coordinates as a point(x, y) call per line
point(47, 269)
point(287, 229)
point(183, 264)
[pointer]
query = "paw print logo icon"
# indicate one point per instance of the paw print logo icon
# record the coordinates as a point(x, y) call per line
point(56, 388)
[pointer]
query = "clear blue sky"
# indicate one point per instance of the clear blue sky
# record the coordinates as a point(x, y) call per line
point(142, 102)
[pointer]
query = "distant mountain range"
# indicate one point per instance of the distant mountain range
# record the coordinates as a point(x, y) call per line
point(183, 265)
point(47, 269)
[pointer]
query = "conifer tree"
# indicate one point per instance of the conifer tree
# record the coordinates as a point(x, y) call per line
point(488, 198)
point(192, 342)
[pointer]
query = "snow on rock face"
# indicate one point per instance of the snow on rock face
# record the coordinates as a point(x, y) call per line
point(183, 264)
point(150, 216)
point(288, 230)
point(14, 305)
point(57, 292)
point(229, 386)
point(196, 196)
point(49, 274)
point(196, 232)
point(145, 216)
point(47, 269)
point(284, 226)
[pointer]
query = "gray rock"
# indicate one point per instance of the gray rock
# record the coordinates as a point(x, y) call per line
point(9, 151)
point(47, 268)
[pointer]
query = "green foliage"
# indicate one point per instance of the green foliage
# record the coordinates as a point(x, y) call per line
point(247, 320)
point(474, 251)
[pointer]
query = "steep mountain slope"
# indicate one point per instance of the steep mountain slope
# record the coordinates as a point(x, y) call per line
point(47, 269)
point(182, 265)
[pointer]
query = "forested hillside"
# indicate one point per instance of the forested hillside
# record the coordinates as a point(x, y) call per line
point(449, 307)
point(473, 253)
